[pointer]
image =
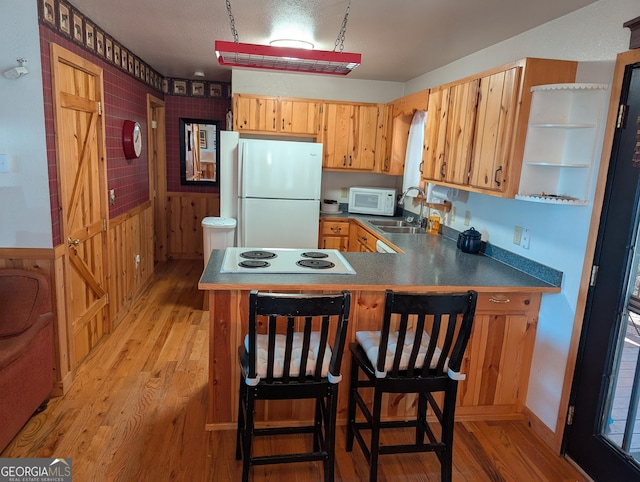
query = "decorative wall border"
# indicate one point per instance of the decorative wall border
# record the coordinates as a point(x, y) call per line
point(68, 21)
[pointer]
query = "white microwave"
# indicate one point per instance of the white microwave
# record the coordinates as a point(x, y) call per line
point(372, 200)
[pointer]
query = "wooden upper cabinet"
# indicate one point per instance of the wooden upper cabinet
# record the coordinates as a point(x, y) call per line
point(299, 116)
point(276, 115)
point(496, 122)
point(449, 133)
point(435, 131)
point(255, 114)
point(476, 127)
point(349, 137)
point(398, 116)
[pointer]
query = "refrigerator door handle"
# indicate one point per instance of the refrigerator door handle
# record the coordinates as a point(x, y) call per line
point(241, 168)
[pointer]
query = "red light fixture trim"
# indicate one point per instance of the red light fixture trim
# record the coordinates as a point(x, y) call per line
point(236, 54)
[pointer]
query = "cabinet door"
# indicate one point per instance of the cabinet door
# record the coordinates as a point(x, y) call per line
point(363, 132)
point(337, 122)
point(498, 357)
point(255, 113)
point(298, 116)
point(341, 243)
point(384, 140)
point(400, 126)
point(449, 133)
point(435, 131)
point(495, 126)
point(459, 137)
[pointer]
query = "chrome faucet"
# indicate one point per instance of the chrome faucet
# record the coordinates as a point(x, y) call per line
point(424, 198)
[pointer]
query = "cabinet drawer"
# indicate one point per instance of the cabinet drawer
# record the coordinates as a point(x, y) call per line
point(501, 302)
point(335, 228)
point(366, 238)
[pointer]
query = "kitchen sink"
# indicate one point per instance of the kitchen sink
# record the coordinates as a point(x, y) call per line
point(402, 230)
point(389, 222)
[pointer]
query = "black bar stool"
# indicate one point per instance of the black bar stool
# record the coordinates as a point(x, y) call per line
point(291, 358)
point(418, 350)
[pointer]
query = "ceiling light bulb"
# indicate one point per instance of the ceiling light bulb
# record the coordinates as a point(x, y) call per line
point(291, 43)
point(198, 73)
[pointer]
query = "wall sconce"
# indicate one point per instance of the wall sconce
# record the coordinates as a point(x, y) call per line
point(17, 72)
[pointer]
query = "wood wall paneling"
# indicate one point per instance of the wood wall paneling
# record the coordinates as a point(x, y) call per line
point(185, 212)
point(132, 252)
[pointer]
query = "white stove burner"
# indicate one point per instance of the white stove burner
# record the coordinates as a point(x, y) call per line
point(285, 261)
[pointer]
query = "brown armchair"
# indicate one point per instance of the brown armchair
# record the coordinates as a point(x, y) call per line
point(26, 349)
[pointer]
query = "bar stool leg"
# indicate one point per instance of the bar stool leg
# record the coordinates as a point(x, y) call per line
point(352, 404)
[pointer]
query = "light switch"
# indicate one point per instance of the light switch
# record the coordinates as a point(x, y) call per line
point(4, 163)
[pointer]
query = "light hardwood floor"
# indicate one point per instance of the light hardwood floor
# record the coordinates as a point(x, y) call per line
point(136, 412)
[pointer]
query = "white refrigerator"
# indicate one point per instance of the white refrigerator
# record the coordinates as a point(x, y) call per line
point(278, 193)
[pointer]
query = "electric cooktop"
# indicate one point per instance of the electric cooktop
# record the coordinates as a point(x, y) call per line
point(285, 261)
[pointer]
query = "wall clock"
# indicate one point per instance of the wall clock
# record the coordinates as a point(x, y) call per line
point(131, 139)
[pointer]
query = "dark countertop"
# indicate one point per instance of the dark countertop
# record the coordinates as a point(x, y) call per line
point(429, 263)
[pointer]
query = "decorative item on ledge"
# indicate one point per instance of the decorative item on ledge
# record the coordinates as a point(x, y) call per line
point(66, 20)
point(196, 88)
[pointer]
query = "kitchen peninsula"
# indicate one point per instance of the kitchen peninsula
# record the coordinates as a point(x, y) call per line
point(497, 360)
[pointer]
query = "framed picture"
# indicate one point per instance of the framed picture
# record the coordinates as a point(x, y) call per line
point(165, 86)
point(179, 87)
point(203, 138)
point(136, 68)
point(77, 27)
point(130, 64)
point(124, 59)
point(99, 42)
point(89, 38)
point(197, 88)
point(215, 90)
point(116, 54)
point(63, 19)
point(108, 49)
point(49, 12)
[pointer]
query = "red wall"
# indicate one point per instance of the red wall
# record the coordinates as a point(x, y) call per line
point(125, 98)
point(175, 108)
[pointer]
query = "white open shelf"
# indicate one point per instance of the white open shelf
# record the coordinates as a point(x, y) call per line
point(559, 152)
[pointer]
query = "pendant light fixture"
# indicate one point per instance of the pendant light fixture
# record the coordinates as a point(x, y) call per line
point(291, 59)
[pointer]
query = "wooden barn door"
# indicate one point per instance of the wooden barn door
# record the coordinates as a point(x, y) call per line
point(77, 98)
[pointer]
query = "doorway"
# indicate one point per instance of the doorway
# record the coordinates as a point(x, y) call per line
point(606, 388)
point(156, 128)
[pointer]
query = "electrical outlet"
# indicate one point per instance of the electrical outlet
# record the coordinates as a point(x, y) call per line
point(452, 214)
point(112, 196)
point(467, 218)
point(526, 238)
point(517, 235)
point(344, 192)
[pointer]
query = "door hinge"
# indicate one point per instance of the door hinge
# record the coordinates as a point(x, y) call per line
point(570, 415)
point(99, 108)
point(104, 224)
point(594, 275)
point(622, 116)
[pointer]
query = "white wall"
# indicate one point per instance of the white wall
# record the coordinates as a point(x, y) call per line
point(314, 86)
point(25, 216)
point(593, 35)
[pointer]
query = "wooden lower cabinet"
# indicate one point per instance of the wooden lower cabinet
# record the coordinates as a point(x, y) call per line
point(496, 364)
point(334, 234)
point(362, 240)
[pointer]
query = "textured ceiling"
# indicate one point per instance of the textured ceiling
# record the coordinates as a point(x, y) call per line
point(399, 40)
